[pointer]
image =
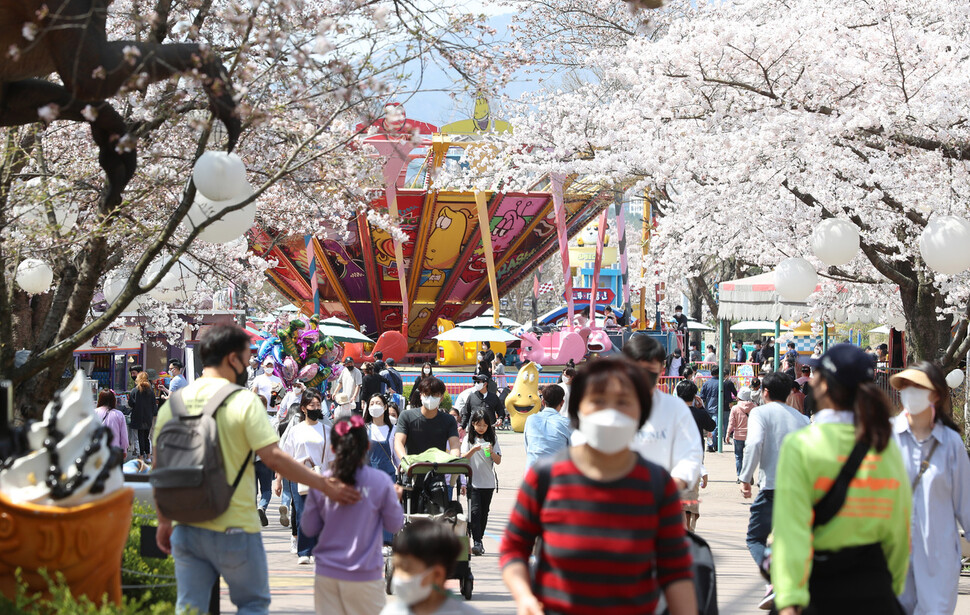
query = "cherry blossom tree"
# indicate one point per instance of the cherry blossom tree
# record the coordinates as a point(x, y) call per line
point(306, 72)
point(756, 120)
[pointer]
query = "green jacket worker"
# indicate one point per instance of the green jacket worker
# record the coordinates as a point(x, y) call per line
point(855, 563)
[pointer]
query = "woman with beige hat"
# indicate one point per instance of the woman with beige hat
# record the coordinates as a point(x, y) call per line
point(939, 471)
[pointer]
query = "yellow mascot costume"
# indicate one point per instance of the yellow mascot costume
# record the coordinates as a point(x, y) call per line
point(524, 399)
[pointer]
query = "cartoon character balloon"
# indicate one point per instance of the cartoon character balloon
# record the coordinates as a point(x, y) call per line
point(524, 401)
point(301, 353)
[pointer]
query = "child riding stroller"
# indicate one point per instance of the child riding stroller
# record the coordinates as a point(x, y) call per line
point(427, 495)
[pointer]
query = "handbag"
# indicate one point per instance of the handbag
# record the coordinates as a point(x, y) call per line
point(830, 504)
point(305, 489)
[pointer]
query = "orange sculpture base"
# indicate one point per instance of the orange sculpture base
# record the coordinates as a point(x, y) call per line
point(84, 543)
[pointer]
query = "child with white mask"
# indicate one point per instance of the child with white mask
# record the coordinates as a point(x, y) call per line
point(425, 552)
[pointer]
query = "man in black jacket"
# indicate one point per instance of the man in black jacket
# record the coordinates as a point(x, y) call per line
point(481, 398)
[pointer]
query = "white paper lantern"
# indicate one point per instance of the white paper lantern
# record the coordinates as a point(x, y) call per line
point(954, 379)
point(114, 283)
point(176, 285)
point(835, 241)
point(219, 176)
point(945, 244)
point(228, 227)
point(795, 279)
point(34, 276)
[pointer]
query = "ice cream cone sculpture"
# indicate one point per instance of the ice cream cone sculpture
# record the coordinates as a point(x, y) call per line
point(63, 505)
point(84, 543)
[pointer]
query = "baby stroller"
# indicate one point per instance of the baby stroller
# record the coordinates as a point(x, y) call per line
point(426, 496)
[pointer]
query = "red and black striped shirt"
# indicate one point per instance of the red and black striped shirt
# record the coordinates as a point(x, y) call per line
point(605, 545)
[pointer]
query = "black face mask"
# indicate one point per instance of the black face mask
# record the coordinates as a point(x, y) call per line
point(315, 415)
point(241, 377)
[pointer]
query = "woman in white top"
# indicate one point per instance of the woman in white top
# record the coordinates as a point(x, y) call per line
point(939, 471)
point(380, 432)
point(306, 442)
point(480, 447)
point(498, 371)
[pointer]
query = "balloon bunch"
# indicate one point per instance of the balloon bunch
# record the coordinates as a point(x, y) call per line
point(302, 354)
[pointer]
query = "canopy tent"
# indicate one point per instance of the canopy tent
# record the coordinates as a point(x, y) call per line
point(693, 325)
point(337, 322)
point(883, 330)
point(344, 334)
point(487, 320)
point(756, 325)
point(755, 298)
point(467, 334)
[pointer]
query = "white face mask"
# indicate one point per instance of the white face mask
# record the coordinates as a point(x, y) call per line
point(608, 431)
point(411, 591)
point(427, 371)
point(392, 419)
point(430, 402)
point(915, 400)
point(480, 386)
point(376, 410)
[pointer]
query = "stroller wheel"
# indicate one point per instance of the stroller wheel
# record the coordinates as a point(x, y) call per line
point(467, 584)
point(388, 575)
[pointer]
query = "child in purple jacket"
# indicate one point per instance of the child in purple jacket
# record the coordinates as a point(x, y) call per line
point(349, 561)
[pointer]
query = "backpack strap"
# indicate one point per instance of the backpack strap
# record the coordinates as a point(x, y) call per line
point(830, 504)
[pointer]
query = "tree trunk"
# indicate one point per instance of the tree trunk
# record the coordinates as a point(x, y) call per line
point(927, 333)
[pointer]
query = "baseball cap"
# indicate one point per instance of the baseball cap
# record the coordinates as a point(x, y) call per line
point(479, 378)
point(348, 360)
point(848, 364)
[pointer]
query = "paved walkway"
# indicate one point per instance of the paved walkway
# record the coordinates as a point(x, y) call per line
point(723, 523)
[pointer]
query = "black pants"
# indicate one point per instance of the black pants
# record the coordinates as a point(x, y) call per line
point(481, 501)
point(144, 442)
point(853, 580)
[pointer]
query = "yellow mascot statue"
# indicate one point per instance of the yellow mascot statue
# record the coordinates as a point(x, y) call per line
point(524, 399)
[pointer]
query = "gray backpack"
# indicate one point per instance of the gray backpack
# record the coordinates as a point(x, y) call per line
point(188, 476)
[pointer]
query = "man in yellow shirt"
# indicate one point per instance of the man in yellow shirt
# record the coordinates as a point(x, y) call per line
point(230, 545)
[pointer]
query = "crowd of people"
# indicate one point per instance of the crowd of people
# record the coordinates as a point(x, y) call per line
point(857, 507)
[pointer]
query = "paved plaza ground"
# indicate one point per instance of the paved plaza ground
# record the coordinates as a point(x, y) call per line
point(723, 522)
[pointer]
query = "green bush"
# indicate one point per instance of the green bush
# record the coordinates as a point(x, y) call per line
point(137, 570)
point(445, 401)
point(61, 601)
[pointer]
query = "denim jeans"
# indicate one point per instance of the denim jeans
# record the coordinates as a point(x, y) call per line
point(202, 556)
point(304, 543)
point(738, 455)
point(717, 423)
point(264, 483)
point(759, 525)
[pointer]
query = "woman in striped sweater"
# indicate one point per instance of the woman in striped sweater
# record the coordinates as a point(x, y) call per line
point(611, 528)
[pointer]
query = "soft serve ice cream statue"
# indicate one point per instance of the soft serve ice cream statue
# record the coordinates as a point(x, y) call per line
point(63, 507)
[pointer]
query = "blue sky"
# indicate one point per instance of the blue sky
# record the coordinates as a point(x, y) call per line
point(432, 102)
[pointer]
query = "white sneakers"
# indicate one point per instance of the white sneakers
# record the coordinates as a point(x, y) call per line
point(293, 545)
point(768, 602)
point(305, 560)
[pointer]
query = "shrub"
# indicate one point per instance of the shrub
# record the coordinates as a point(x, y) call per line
point(147, 578)
point(61, 601)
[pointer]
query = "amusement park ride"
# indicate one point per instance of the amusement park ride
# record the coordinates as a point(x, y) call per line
point(447, 267)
